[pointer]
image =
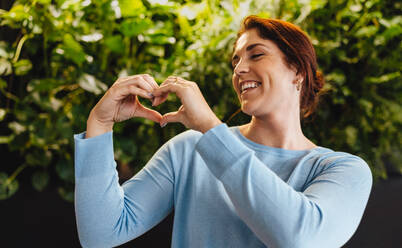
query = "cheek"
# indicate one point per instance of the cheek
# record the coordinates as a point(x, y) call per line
point(234, 82)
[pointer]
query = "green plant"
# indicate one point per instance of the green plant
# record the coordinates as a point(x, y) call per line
point(61, 56)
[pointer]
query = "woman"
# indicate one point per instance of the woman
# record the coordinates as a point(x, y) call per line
point(263, 184)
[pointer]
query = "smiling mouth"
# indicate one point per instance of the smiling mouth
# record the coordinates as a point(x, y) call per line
point(249, 85)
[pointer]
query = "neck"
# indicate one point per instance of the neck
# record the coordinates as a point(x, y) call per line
point(277, 131)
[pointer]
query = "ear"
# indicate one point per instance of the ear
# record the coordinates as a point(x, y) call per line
point(299, 78)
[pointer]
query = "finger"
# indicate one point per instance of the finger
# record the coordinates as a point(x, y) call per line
point(138, 80)
point(171, 80)
point(125, 90)
point(122, 80)
point(147, 113)
point(168, 88)
point(162, 98)
point(177, 80)
point(162, 93)
point(170, 117)
point(153, 84)
point(159, 99)
point(142, 84)
point(151, 81)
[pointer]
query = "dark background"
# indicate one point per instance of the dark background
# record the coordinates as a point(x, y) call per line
point(33, 219)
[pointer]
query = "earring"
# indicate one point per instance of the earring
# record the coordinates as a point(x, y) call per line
point(298, 85)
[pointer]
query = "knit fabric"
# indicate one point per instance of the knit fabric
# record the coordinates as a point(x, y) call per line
point(226, 191)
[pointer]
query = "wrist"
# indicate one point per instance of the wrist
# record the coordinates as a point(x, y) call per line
point(213, 123)
point(95, 127)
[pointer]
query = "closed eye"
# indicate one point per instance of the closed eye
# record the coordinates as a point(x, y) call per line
point(235, 58)
point(256, 55)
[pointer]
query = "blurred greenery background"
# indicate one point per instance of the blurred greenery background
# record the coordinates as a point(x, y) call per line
point(58, 57)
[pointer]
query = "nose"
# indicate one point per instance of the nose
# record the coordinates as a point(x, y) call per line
point(241, 67)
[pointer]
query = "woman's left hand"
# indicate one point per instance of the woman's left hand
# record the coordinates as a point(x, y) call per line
point(194, 112)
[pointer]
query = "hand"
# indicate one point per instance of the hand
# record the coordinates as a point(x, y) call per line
point(120, 103)
point(194, 112)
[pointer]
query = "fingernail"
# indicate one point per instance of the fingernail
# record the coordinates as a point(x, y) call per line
point(164, 124)
point(150, 95)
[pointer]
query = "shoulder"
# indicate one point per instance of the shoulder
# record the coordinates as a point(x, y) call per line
point(330, 157)
point(342, 162)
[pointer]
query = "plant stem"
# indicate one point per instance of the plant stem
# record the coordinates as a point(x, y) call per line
point(15, 174)
point(19, 47)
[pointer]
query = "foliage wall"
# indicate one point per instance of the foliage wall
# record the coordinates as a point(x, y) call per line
point(58, 57)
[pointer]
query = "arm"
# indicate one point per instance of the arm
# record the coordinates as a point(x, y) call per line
point(325, 214)
point(109, 214)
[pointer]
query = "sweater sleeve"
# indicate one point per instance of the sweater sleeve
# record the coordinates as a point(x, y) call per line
point(325, 214)
point(109, 214)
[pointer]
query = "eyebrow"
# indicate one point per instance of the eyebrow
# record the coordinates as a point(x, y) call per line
point(251, 47)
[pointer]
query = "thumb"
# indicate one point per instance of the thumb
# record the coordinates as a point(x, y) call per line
point(170, 117)
point(149, 114)
point(159, 99)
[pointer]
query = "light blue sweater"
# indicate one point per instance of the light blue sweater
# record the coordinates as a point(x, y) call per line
point(226, 190)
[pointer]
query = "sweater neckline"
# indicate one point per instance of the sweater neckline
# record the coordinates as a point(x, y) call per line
point(271, 149)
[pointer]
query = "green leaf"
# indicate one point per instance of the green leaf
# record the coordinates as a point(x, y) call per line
point(22, 67)
point(158, 51)
point(7, 188)
point(115, 44)
point(384, 78)
point(5, 67)
point(66, 194)
point(131, 8)
point(192, 10)
point(65, 170)
point(6, 139)
point(3, 84)
point(159, 39)
point(366, 31)
point(43, 85)
point(73, 50)
point(91, 84)
point(44, 2)
point(134, 27)
point(4, 50)
point(17, 13)
point(2, 113)
point(40, 180)
point(351, 135)
point(393, 31)
point(16, 127)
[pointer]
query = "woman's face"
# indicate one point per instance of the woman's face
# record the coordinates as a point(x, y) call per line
point(263, 82)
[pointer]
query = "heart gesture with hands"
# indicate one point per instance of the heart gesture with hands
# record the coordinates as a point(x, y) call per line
point(121, 103)
point(194, 112)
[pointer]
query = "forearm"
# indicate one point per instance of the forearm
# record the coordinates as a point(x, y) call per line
point(109, 214)
point(278, 214)
point(98, 195)
point(95, 128)
point(275, 212)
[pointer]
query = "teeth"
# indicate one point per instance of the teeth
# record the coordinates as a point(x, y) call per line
point(248, 85)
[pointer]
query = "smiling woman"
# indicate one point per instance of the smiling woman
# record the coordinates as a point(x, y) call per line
point(283, 40)
point(263, 184)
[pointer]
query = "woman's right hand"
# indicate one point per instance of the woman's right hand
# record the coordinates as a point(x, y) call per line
point(121, 103)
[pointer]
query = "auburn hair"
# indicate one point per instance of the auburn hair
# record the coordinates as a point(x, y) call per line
point(299, 53)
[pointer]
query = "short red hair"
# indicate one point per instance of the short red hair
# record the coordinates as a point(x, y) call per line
point(299, 53)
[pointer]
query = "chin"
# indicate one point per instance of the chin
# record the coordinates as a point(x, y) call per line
point(248, 109)
point(254, 110)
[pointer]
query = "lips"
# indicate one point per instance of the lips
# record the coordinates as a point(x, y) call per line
point(247, 85)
